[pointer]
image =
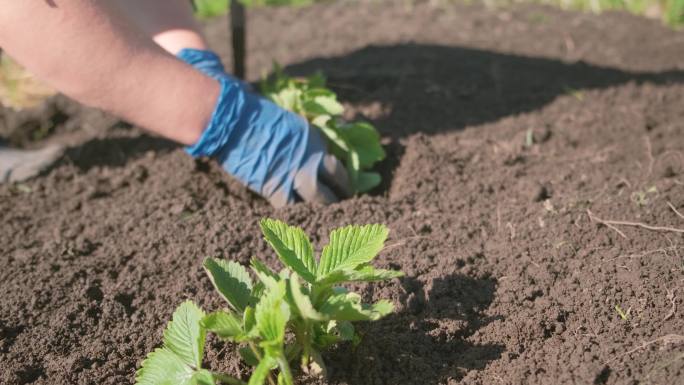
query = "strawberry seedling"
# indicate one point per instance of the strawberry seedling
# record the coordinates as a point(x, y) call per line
point(357, 144)
point(279, 318)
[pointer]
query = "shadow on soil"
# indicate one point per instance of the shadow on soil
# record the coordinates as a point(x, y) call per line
point(115, 152)
point(426, 341)
point(432, 88)
point(412, 88)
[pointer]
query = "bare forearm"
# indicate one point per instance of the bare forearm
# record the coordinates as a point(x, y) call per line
point(170, 23)
point(87, 51)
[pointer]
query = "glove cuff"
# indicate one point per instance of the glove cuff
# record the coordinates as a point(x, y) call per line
point(224, 121)
point(204, 60)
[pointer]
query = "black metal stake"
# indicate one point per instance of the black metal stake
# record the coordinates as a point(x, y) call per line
point(237, 26)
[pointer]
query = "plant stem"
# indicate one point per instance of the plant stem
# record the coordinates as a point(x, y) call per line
point(318, 360)
point(285, 369)
point(307, 343)
point(300, 337)
point(255, 350)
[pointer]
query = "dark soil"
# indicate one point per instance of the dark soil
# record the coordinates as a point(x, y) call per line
point(503, 129)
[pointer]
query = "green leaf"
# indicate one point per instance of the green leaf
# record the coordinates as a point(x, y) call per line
point(317, 81)
point(325, 340)
point(261, 371)
point(292, 247)
point(337, 145)
point(357, 143)
point(366, 181)
point(248, 356)
point(223, 324)
point(231, 280)
point(249, 319)
point(179, 361)
point(184, 334)
point(257, 291)
point(365, 140)
point(364, 150)
point(346, 331)
point(353, 168)
point(272, 314)
point(323, 105)
point(302, 301)
point(361, 181)
point(363, 273)
point(348, 307)
point(202, 377)
point(289, 99)
point(321, 120)
point(350, 247)
point(267, 277)
point(164, 367)
point(333, 332)
point(210, 8)
point(313, 92)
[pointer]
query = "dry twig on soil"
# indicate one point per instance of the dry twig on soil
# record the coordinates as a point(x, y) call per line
point(510, 226)
point(611, 224)
point(649, 152)
point(673, 299)
point(675, 210)
point(666, 340)
point(607, 224)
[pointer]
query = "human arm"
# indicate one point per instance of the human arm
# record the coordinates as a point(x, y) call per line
point(104, 59)
point(88, 51)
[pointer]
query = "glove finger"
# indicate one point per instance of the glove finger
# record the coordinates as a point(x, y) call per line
point(333, 173)
point(315, 192)
point(279, 199)
point(308, 186)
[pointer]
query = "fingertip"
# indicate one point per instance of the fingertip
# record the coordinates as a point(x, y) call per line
point(335, 175)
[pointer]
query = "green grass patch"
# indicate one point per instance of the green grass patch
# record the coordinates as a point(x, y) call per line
point(671, 12)
point(211, 8)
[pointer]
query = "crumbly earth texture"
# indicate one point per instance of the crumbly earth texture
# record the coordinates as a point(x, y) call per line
point(513, 137)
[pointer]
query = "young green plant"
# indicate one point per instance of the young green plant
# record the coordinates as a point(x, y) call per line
point(279, 318)
point(357, 144)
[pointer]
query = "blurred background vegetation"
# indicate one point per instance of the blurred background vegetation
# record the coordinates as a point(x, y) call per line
point(18, 89)
point(670, 12)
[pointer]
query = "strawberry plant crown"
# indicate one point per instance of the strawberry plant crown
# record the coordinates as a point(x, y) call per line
point(356, 144)
point(291, 315)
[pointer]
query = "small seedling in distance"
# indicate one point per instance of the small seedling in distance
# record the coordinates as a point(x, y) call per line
point(577, 94)
point(281, 317)
point(623, 314)
point(642, 198)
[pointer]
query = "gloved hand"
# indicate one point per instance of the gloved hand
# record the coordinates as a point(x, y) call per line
point(19, 165)
point(209, 63)
point(272, 151)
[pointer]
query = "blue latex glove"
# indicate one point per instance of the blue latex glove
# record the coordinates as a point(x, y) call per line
point(272, 151)
point(208, 62)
